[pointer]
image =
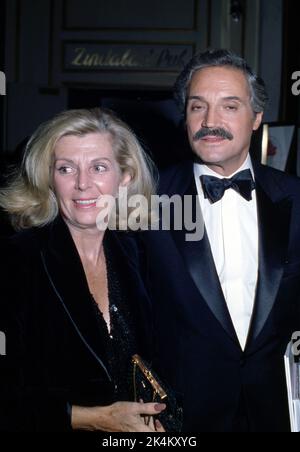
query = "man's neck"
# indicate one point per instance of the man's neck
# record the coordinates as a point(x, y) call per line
point(231, 169)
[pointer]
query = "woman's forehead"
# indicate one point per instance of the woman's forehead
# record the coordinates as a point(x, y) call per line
point(86, 146)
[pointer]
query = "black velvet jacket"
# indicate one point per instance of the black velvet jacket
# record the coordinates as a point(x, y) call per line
point(54, 356)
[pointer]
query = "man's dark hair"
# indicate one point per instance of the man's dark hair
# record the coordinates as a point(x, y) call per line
point(220, 58)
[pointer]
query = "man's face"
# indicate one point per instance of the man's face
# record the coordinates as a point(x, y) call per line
point(218, 101)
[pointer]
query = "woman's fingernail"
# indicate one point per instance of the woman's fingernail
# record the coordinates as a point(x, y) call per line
point(158, 424)
point(159, 406)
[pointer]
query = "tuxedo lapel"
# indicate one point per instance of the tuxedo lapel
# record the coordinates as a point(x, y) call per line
point(200, 265)
point(274, 214)
point(198, 257)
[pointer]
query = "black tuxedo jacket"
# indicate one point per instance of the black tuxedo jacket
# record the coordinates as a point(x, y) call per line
point(223, 387)
point(54, 355)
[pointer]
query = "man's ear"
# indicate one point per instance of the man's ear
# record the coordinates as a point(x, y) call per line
point(257, 120)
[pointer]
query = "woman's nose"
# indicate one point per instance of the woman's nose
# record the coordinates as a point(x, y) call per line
point(83, 180)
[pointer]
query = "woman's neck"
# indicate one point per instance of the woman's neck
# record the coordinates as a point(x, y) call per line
point(89, 244)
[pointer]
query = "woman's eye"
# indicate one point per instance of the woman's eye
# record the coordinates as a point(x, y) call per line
point(65, 170)
point(99, 168)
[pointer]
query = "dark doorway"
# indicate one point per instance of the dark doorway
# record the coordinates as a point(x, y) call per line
point(2, 68)
point(153, 116)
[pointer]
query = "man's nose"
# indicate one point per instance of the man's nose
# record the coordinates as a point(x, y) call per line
point(83, 180)
point(211, 118)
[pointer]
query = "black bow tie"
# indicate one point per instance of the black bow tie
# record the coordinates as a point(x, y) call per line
point(242, 182)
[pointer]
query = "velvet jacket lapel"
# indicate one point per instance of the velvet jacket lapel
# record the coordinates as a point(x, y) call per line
point(66, 275)
point(125, 249)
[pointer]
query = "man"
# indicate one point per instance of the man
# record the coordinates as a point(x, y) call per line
point(227, 305)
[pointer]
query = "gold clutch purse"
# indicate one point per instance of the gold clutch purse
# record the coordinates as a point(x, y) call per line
point(158, 391)
point(148, 387)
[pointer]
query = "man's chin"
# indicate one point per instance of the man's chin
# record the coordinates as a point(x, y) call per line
point(208, 160)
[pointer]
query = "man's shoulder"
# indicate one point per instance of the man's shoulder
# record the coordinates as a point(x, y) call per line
point(177, 173)
point(288, 185)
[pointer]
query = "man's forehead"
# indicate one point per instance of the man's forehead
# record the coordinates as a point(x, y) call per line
point(229, 70)
point(218, 79)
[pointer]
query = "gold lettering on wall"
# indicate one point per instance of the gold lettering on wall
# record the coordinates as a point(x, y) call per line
point(110, 58)
point(137, 57)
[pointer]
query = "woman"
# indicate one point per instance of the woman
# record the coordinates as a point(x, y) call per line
point(75, 309)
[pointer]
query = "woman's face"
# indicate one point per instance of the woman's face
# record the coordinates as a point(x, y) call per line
point(84, 169)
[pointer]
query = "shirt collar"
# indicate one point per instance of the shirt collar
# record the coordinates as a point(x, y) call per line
point(201, 169)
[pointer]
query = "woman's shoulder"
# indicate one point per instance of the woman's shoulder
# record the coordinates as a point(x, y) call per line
point(26, 238)
point(17, 263)
point(22, 244)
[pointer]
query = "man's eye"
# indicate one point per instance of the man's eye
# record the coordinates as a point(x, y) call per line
point(231, 107)
point(197, 107)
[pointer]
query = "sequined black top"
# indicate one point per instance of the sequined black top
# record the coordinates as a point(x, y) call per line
point(119, 345)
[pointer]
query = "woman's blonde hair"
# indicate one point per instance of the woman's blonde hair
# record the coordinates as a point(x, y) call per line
point(29, 198)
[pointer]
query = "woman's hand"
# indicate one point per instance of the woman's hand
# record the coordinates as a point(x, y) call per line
point(119, 417)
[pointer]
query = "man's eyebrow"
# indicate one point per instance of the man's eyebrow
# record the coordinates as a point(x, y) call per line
point(196, 98)
point(202, 99)
point(233, 98)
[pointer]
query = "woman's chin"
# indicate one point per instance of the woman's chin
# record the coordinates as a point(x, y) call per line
point(86, 222)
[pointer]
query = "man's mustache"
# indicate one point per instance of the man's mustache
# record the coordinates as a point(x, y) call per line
point(216, 132)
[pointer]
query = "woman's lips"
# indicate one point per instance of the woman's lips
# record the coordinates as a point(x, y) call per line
point(85, 203)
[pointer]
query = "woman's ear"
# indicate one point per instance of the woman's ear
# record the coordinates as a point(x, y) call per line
point(125, 179)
